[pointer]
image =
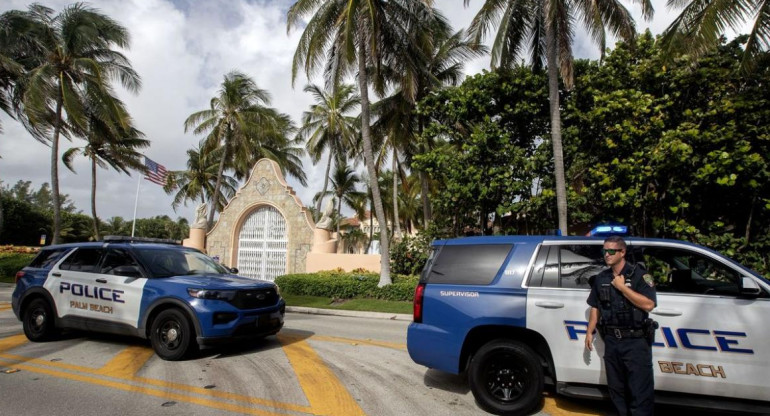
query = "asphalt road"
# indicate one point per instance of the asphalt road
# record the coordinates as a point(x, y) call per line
point(323, 365)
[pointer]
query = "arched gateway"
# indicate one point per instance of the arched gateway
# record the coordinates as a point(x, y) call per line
point(262, 244)
point(264, 231)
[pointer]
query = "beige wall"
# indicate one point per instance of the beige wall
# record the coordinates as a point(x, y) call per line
point(348, 262)
point(265, 186)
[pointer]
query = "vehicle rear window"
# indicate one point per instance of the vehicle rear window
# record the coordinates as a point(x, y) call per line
point(468, 264)
point(47, 258)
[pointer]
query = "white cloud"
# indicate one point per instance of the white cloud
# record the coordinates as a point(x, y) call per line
point(182, 49)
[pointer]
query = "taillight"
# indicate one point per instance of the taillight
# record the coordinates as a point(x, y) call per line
point(19, 275)
point(419, 291)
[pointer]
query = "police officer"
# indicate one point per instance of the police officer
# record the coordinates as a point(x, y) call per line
point(621, 298)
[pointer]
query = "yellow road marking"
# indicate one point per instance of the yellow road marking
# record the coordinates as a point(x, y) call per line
point(12, 342)
point(160, 383)
point(558, 407)
point(127, 362)
point(144, 390)
point(393, 345)
point(324, 391)
point(5, 308)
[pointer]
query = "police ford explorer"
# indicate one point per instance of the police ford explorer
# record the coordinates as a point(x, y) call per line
point(512, 313)
point(176, 296)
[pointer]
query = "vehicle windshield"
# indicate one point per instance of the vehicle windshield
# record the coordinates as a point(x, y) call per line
point(165, 262)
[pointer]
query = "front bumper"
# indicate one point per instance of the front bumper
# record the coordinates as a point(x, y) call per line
point(256, 326)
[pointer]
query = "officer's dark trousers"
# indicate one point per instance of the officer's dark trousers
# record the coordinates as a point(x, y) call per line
point(628, 362)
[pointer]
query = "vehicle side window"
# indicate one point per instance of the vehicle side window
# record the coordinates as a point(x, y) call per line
point(578, 263)
point(476, 264)
point(83, 260)
point(47, 258)
point(677, 270)
point(116, 258)
point(538, 269)
point(569, 266)
point(551, 273)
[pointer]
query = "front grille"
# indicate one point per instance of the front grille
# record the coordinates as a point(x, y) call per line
point(255, 298)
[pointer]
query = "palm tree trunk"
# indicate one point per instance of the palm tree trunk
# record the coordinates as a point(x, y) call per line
point(55, 168)
point(396, 220)
point(558, 154)
point(339, 215)
point(426, 210)
point(369, 160)
point(215, 197)
point(326, 182)
point(93, 199)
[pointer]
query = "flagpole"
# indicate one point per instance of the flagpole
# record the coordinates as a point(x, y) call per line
point(136, 202)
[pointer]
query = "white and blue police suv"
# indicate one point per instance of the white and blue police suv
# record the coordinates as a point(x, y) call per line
point(176, 296)
point(511, 312)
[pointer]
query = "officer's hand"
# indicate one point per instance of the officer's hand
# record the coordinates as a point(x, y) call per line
point(590, 341)
point(619, 281)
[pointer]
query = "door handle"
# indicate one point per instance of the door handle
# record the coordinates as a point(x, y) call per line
point(56, 274)
point(550, 305)
point(666, 312)
point(101, 280)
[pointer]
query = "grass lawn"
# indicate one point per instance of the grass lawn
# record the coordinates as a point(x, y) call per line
point(369, 305)
point(7, 279)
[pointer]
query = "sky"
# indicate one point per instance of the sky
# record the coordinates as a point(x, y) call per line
point(182, 49)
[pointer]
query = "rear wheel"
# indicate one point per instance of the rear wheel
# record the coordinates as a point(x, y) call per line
point(506, 378)
point(38, 321)
point(172, 335)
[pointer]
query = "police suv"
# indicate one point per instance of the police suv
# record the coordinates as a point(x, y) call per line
point(176, 296)
point(511, 312)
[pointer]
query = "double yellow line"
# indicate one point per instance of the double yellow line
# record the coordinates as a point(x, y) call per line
point(325, 393)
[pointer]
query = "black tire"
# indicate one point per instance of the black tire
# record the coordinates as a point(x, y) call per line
point(506, 378)
point(171, 335)
point(38, 321)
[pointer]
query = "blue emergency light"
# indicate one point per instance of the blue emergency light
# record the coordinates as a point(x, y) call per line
point(607, 230)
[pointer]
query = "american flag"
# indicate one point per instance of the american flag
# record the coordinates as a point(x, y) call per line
point(156, 173)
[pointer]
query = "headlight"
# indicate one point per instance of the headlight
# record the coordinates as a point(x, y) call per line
point(212, 294)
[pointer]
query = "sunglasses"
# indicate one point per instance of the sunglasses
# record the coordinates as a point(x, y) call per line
point(611, 251)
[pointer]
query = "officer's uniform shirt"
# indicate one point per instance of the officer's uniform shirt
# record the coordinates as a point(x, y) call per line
point(640, 282)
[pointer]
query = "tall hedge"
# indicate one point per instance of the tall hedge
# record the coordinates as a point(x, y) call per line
point(347, 285)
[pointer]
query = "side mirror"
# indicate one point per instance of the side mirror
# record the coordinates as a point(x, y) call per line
point(127, 271)
point(234, 270)
point(750, 288)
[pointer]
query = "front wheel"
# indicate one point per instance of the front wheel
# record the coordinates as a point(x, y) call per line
point(171, 335)
point(506, 378)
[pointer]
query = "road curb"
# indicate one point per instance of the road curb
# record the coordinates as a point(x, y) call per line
point(356, 314)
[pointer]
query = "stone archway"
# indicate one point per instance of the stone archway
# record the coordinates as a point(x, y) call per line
point(262, 244)
point(265, 195)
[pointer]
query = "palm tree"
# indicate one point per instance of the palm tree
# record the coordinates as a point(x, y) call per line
point(396, 115)
point(546, 28)
point(328, 127)
point(353, 36)
point(701, 23)
point(109, 144)
point(199, 180)
point(273, 143)
point(236, 121)
point(345, 188)
point(74, 57)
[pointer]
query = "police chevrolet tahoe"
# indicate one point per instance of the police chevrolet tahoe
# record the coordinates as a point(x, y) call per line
point(511, 312)
point(176, 296)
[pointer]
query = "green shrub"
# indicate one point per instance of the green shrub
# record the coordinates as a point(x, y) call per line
point(10, 263)
point(409, 255)
point(343, 285)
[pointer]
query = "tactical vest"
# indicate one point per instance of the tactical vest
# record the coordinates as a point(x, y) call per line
point(617, 311)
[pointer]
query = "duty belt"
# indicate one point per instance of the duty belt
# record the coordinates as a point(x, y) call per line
point(624, 332)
